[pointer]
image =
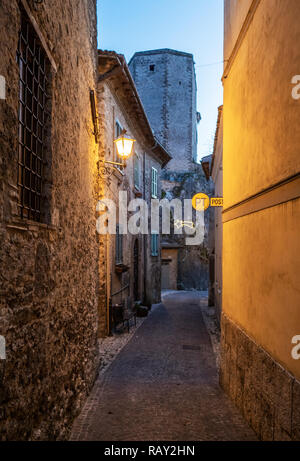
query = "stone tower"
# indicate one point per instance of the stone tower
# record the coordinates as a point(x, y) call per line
point(166, 82)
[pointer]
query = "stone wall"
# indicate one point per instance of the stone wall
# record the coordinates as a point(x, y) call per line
point(192, 260)
point(49, 271)
point(216, 226)
point(267, 395)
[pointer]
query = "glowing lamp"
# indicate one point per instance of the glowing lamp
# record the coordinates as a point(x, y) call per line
point(124, 146)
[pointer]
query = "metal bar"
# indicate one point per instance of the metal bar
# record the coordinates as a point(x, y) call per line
point(120, 291)
point(114, 71)
point(111, 163)
point(94, 114)
point(32, 116)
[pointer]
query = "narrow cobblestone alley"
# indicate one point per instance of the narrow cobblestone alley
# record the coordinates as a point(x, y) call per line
point(163, 385)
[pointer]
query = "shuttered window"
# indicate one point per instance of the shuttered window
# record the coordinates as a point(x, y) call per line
point(154, 183)
point(119, 246)
point(154, 244)
point(137, 171)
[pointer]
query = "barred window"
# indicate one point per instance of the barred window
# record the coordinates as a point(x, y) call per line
point(33, 117)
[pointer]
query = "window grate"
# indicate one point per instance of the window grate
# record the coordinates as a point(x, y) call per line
point(32, 116)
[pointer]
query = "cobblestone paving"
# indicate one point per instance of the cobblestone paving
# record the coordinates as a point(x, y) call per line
point(163, 385)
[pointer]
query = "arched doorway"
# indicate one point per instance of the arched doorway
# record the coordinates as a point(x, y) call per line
point(136, 270)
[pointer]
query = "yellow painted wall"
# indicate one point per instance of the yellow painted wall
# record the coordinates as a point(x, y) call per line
point(235, 12)
point(261, 267)
point(261, 251)
point(261, 119)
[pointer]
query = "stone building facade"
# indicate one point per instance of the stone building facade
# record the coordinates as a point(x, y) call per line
point(260, 368)
point(133, 262)
point(166, 83)
point(213, 168)
point(49, 252)
point(216, 172)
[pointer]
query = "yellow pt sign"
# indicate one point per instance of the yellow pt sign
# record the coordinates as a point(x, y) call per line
point(200, 202)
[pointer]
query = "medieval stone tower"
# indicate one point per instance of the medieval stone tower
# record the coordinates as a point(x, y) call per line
point(166, 82)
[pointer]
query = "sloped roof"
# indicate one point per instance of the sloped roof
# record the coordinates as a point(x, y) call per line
point(113, 67)
point(220, 110)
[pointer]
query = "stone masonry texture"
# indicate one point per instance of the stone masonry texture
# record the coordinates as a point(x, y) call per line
point(266, 394)
point(49, 272)
point(163, 385)
point(168, 93)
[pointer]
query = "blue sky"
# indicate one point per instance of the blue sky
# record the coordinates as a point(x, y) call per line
point(194, 26)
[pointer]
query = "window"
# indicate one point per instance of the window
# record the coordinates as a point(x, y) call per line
point(152, 67)
point(154, 244)
point(33, 118)
point(118, 131)
point(119, 246)
point(154, 175)
point(136, 167)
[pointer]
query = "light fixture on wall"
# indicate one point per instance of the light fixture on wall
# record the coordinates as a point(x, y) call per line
point(124, 145)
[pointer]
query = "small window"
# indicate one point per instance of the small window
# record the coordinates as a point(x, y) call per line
point(136, 170)
point(119, 245)
point(154, 244)
point(118, 131)
point(152, 67)
point(154, 176)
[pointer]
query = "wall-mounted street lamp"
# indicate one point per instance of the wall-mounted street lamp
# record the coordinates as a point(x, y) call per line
point(124, 145)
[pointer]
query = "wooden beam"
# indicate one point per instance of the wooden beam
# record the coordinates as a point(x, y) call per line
point(114, 71)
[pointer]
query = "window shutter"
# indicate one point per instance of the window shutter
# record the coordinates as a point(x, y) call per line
point(154, 182)
point(119, 246)
point(136, 171)
point(154, 244)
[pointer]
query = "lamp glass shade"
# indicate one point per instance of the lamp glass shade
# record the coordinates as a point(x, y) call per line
point(124, 146)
